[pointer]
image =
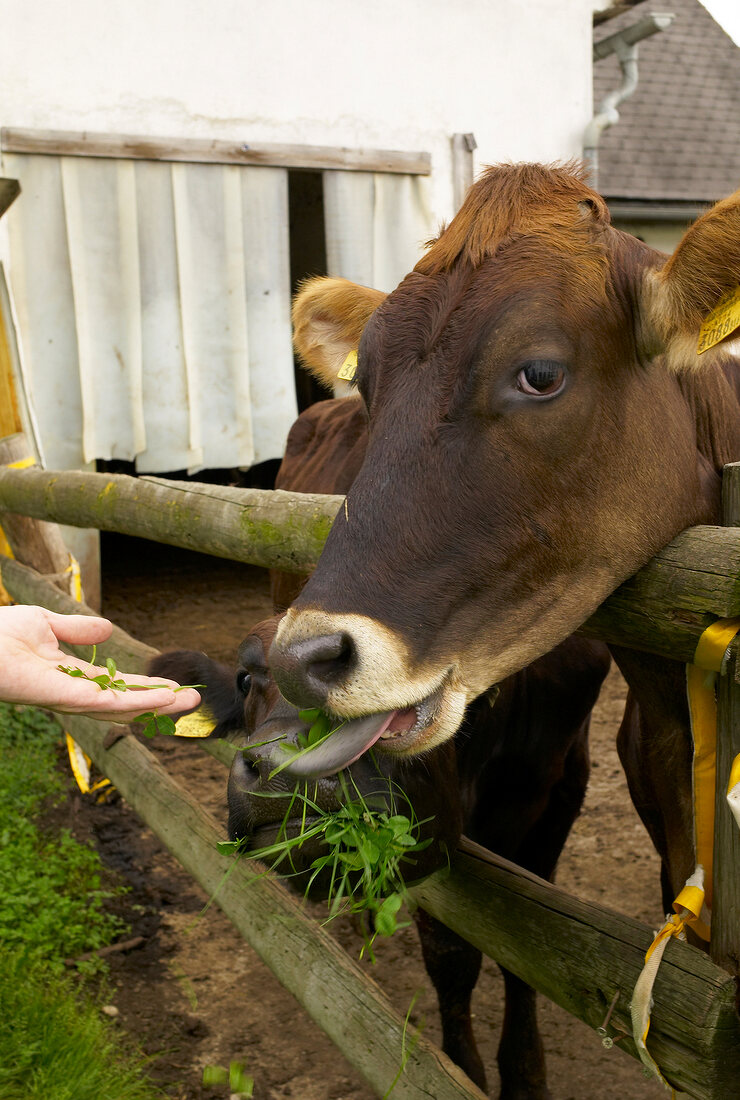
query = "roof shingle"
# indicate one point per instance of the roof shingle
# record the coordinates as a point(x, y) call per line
point(678, 137)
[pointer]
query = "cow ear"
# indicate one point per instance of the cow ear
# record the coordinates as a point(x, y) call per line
point(328, 318)
point(680, 298)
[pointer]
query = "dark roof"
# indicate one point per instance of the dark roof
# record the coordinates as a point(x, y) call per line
point(678, 137)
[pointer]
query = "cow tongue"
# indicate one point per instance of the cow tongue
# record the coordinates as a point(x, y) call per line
point(340, 749)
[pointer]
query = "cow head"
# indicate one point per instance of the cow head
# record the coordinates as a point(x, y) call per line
point(533, 394)
point(245, 707)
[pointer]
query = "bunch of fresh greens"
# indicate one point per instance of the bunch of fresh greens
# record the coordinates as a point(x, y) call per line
point(365, 849)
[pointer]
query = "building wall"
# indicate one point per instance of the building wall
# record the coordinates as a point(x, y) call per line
point(399, 74)
point(663, 235)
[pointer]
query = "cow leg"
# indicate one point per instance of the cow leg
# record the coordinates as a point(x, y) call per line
point(521, 1056)
point(453, 966)
point(654, 747)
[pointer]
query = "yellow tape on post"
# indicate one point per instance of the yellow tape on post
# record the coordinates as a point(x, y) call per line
point(701, 680)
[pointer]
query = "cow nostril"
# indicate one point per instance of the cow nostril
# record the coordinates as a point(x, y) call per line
point(305, 671)
point(327, 659)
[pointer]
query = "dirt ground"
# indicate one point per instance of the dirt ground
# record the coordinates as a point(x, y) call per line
point(195, 994)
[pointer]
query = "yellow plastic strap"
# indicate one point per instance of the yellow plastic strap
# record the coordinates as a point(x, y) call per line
point(688, 905)
point(713, 644)
point(701, 680)
point(21, 464)
point(74, 569)
point(79, 762)
point(199, 723)
point(703, 711)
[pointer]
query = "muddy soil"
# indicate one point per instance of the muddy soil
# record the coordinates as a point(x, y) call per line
point(195, 994)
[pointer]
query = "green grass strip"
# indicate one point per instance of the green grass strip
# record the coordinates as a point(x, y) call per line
point(54, 1043)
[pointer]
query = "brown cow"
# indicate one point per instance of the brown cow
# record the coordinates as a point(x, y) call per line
point(540, 425)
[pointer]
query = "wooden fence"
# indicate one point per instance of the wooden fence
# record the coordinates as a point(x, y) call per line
point(578, 954)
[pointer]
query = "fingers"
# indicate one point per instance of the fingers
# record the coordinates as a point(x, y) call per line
point(187, 699)
point(79, 629)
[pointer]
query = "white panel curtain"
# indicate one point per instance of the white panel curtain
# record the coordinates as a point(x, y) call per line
point(153, 302)
point(377, 224)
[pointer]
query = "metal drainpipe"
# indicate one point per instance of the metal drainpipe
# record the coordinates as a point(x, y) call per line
point(624, 45)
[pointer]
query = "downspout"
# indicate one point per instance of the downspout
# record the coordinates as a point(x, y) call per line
point(624, 45)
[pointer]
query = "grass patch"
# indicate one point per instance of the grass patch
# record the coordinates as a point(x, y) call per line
point(54, 1044)
point(51, 895)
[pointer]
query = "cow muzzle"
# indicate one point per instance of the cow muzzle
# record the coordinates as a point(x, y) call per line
point(354, 667)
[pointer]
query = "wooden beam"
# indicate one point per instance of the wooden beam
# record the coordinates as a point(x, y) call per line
point(27, 586)
point(306, 959)
point(580, 955)
point(69, 143)
point(663, 609)
point(274, 529)
point(34, 542)
point(725, 945)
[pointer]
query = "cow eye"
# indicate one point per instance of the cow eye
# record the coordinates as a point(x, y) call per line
point(243, 682)
point(541, 377)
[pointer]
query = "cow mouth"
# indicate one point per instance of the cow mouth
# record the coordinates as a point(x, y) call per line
point(404, 731)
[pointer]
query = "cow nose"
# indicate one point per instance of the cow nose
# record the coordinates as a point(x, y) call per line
point(305, 671)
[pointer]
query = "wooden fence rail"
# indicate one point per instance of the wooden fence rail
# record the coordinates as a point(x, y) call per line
point(270, 528)
point(663, 609)
point(577, 953)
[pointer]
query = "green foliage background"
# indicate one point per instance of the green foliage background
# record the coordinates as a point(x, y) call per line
point(54, 1043)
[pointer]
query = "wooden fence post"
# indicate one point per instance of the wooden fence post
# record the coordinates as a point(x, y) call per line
point(36, 542)
point(725, 945)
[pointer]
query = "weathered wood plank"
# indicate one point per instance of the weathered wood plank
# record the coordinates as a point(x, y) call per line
point(34, 542)
point(665, 607)
point(579, 955)
point(725, 946)
point(273, 529)
point(70, 143)
point(662, 609)
point(305, 958)
point(731, 495)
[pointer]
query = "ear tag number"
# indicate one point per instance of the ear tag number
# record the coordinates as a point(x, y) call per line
point(349, 366)
point(721, 322)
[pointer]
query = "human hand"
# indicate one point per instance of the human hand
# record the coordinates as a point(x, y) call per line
point(29, 673)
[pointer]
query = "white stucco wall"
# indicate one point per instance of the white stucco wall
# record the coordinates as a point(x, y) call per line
point(399, 74)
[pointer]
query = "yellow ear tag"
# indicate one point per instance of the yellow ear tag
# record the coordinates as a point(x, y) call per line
point(201, 723)
point(349, 366)
point(723, 320)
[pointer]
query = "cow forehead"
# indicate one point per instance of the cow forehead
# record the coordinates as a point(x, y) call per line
point(530, 294)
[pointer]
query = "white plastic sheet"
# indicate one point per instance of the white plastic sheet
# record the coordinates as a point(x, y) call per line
point(154, 310)
point(377, 225)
